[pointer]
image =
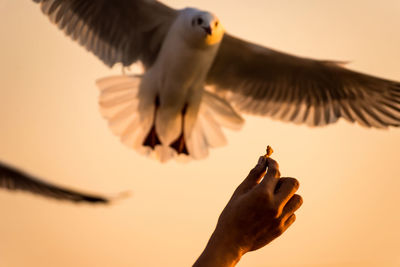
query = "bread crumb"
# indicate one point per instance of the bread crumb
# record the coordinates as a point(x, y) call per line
point(269, 152)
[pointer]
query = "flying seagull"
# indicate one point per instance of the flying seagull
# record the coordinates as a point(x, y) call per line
point(198, 78)
point(13, 179)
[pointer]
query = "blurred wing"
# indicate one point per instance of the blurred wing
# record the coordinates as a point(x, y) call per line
point(262, 81)
point(13, 179)
point(114, 30)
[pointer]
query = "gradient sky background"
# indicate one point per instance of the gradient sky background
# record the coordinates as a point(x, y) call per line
point(51, 127)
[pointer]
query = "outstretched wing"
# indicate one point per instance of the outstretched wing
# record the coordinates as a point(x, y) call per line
point(114, 30)
point(13, 179)
point(262, 81)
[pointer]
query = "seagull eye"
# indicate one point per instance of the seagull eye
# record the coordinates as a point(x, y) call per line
point(199, 21)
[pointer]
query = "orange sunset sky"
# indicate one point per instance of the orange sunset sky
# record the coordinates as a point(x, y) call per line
point(50, 126)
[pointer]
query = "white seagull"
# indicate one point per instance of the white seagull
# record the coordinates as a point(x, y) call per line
point(197, 78)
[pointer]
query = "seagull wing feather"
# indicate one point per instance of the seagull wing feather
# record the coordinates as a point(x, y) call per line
point(13, 179)
point(262, 81)
point(117, 31)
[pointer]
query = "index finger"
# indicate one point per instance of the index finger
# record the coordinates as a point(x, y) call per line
point(255, 175)
point(270, 179)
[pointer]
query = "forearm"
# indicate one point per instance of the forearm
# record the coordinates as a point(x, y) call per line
point(219, 252)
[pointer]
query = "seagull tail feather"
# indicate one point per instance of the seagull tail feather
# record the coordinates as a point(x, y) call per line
point(215, 113)
point(119, 105)
point(132, 120)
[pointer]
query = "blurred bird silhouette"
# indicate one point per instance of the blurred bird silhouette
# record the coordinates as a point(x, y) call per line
point(198, 79)
point(13, 179)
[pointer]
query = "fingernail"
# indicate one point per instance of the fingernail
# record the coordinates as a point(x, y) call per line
point(261, 160)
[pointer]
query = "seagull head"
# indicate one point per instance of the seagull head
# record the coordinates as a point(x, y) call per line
point(202, 27)
point(205, 21)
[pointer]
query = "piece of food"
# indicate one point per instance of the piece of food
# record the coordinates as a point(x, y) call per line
point(269, 152)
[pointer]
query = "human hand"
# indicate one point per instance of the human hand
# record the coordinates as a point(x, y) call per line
point(260, 210)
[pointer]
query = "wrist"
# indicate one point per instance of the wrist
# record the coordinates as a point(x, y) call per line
point(220, 252)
